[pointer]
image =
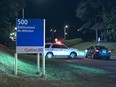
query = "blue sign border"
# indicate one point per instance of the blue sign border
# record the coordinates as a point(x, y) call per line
point(33, 38)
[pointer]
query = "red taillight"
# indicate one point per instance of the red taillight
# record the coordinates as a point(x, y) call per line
point(96, 50)
point(58, 42)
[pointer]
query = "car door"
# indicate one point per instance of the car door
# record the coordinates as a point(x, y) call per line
point(64, 50)
point(60, 50)
point(90, 51)
point(47, 48)
point(56, 49)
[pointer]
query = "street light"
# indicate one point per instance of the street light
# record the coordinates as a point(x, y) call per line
point(52, 32)
point(65, 33)
point(13, 34)
point(15, 28)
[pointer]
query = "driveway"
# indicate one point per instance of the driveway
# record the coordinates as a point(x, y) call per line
point(109, 65)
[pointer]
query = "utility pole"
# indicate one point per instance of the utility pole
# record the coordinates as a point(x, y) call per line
point(23, 13)
point(96, 35)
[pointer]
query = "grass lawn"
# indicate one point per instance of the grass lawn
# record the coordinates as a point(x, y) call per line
point(59, 74)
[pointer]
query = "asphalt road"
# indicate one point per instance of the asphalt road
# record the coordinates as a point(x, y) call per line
point(109, 65)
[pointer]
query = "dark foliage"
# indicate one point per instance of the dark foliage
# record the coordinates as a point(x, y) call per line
point(9, 10)
point(98, 14)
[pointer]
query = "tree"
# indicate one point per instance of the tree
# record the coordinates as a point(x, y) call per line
point(97, 14)
point(9, 10)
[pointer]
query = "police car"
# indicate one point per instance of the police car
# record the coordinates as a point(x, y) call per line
point(59, 49)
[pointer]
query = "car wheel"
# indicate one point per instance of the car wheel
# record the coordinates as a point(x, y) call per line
point(86, 56)
point(49, 55)
point(73, 55)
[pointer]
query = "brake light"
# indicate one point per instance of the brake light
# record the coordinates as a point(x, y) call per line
point(96, 50)
point(58, 42)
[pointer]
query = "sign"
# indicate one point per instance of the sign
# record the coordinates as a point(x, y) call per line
point(30, 35)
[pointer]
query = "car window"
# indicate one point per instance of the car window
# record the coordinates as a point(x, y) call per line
point(100, 47)
point(47, 45)
point(91, 48)
point(58, 46)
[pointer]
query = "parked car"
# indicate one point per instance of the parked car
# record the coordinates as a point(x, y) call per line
point(58, 49)
point(98, 52)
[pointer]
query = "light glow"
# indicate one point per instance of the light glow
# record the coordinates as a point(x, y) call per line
point(66, 26)
point(58, 42)
point(56, 39)
point(96, 50)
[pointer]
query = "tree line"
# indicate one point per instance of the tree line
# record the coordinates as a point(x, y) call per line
point(95, 14)
point(98, 14)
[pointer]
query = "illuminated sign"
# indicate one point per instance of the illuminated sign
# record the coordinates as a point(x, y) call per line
point(30, 35)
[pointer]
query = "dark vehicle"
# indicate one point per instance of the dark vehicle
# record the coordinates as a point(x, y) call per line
point(96, 52)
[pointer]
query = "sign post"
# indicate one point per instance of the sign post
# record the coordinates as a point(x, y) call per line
point(15, 64)
point(43, 60)
point(31, 38)
point(43, 66)
point(38, 63)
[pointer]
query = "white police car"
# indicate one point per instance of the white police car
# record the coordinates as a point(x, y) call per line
point(55, 49)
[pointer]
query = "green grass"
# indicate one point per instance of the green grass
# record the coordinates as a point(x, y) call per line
point(59, 73)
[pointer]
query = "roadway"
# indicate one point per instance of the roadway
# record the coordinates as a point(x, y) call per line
point(109, 65)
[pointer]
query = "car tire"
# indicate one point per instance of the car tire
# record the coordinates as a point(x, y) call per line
point(49, 55)
point(86, 56)
point(73, 55)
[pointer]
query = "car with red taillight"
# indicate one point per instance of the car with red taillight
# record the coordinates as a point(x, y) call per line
point(96, 52)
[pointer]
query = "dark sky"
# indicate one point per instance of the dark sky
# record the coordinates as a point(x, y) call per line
point(57, 13)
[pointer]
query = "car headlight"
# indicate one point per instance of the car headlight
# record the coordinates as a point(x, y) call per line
point(85, 51)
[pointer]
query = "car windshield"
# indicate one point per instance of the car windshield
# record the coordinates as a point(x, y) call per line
point(100, 47)
point(47, 45)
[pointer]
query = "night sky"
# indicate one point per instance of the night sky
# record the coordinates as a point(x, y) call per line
point(57, 13)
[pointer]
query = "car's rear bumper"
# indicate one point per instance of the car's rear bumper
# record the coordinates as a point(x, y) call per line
point(104, 55)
